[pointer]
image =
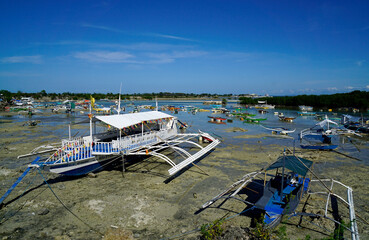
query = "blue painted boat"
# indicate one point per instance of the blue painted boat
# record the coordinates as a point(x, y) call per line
point(272, 196)
point(278, 194)
point(320, 147)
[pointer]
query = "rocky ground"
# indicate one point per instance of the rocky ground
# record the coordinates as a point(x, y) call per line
point(139, 204)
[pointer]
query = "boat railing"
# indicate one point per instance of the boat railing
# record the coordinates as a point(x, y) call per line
point(78, 149)
point(72, 143)
point(132, 142)
point(70, 154)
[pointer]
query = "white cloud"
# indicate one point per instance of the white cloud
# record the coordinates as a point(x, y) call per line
point(36, 59)
point(367, 86)
point(173, 37)
point(332, 89)
point(105, 56)
point(171, 57)
point(349, 87)
point(110, 29)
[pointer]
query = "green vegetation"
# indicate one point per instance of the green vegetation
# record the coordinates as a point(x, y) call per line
point(212, 231)
point(7, 95)
point(356, 99)
point(224, 101)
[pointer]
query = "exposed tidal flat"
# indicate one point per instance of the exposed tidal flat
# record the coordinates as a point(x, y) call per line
point(138, 200)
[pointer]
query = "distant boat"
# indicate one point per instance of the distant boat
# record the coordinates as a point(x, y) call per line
point(279, 130)
point(264, 105)
point(217, 120)
point(286, 119)
point(262, 111)
point(319, 137)
point(306, 113)
point(305, 108)
point(253, 120)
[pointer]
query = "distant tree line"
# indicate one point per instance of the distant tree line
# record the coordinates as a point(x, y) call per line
point(7, 95)
point(355, 99)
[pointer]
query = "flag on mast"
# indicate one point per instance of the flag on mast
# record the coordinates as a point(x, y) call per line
point(92, 102)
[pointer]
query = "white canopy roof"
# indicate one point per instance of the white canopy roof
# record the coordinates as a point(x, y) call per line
point(129, 119)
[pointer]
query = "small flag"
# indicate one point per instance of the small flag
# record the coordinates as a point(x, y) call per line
point(92, 102)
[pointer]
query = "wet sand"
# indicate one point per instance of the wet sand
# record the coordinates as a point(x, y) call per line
point(138, 200)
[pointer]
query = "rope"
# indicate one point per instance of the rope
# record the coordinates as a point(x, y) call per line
point(68, 209)
point(3, 217)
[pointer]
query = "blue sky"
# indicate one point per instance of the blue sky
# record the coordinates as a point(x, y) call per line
point(192, 46)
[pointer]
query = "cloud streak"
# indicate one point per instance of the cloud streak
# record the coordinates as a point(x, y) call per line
point(36, 59)
point(172, 37)
point(171, 57)
point(110, 29)
point(139, 58)
point(105, 56)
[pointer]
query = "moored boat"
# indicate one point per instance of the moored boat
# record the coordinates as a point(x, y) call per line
point(269, 196)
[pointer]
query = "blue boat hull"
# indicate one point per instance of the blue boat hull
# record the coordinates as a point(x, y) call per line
point(319, 147)
point(79, 168)
point(276, 207)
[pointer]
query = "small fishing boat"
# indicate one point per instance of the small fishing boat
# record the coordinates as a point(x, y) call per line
point(279, 130)
point(244, 114)
point(264, 105)
point(319, 137)
point(273, 195)
point(322, 130)
point(253, 120)
point(286, 119)
point(217, 120)
point(305, 108)
point(306, 113)
point(356, 124)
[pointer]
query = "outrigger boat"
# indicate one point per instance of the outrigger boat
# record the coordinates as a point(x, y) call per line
point(306, 113)
point(305, 108)
point(323, 133)
point(276, 195)
point(144, 133)
point(253, 120)
point(286, 119)
point(279, 130)
point(320, 132)
point(217, 120)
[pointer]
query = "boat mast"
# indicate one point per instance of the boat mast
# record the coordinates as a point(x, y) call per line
point(90, 116)
point(120, 90)
point(284, 157)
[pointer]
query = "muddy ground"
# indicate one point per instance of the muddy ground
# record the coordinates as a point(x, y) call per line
point(140, 201)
